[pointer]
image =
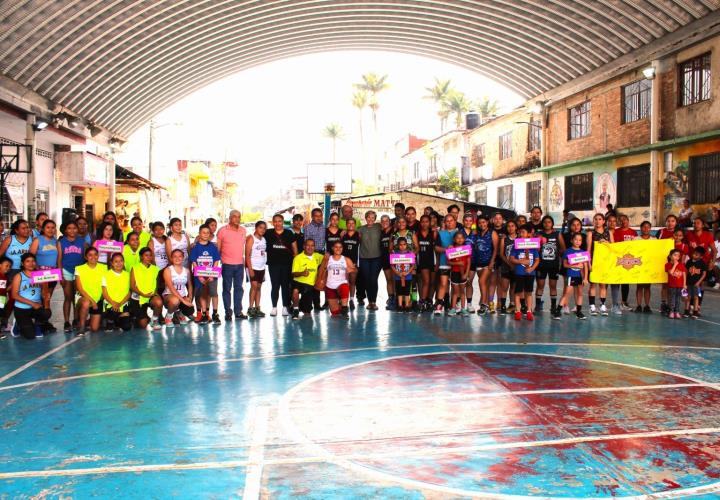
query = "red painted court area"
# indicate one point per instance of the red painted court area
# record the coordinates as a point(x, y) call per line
point(505, 424)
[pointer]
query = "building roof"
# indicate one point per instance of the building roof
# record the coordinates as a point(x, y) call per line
point(126, 177)
point(118, 64)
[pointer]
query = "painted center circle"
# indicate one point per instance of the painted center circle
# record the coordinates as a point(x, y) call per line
point(497, 424)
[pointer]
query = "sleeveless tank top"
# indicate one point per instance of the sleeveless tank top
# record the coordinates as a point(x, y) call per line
point(28, 291)
point(605, 235)
point(46, 253)
point(181, 244)
point(161, 257)
point(179, 281)
point(330, 240)
point(426, 252)
point(336, 272)
point(509, 246)
point(482, 253)
point(16, 249)
point(258, 256)
point(550, 251)
point(72, 253)
point(351, 246)
point(385, 243)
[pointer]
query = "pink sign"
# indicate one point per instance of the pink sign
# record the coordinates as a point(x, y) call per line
point(109, 246)
point(207, 272)
point(579, 257)
point(45, 276)
point(457, 252)
point(402, 258)
point(526, 243)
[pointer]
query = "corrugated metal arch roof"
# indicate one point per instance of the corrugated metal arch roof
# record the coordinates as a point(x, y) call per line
point(119, 62)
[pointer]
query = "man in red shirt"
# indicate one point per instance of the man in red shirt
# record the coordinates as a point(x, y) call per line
point(698, 237)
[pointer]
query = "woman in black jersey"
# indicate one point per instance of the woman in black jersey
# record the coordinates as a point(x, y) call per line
point(332, 233)
point(507, 271)
point(426, 262)
point(351, 249)
point(385, 238)
point(498, 226)
point(552, 247)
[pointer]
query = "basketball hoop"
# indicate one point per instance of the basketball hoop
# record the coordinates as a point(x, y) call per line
point(329, 188)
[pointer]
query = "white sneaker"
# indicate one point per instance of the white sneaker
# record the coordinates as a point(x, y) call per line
point(470, 308)
point(273, 311)
point(603, 310)
point(285, 312)
point(717, 286)
point(438, 310)
point(593, 310)
point(566, 310)
point(617, 310)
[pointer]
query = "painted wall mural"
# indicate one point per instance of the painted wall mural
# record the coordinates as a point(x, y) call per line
point(605, 192)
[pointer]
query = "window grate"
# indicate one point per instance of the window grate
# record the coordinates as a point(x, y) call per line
point(636, 101)
point(579, 192)
point(532, 195)
point(633, 186)
point(579, 121)
point(704, 178)
point(505, 196)
point(505, 149)
point(694, 78)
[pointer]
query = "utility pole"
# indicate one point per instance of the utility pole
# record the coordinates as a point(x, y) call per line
point(151, 146)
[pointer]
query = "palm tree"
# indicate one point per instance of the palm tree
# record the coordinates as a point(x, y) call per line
point(457, 103)
point(360, 101)
point(334, 132)
point(486, 107)
point(373, 84)
point(438, 93)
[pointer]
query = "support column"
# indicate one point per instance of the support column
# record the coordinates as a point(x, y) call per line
point(30, 179)
point(656, 170)
point(111, 183)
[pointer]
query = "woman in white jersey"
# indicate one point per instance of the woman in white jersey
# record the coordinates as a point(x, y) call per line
point(256, 256)
point(160, 256)
point(178, 290)
point(178, 240)
point(336, 268)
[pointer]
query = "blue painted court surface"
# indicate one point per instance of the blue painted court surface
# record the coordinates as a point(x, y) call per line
point(384, 406)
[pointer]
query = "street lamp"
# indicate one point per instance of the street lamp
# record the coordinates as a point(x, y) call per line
point(153, 127)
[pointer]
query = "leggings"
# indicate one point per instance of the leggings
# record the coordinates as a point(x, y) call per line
point(28, 319)
point(675, 295)
point(280, 275)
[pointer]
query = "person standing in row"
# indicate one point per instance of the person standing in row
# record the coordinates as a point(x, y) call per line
point(205, 253)
point(552, 248)
point(256, 256)
point(178, 240)
point(231, 244)
point(370, 259)
point(386, 233)
point(315, 230)
point(70, 255)
point(281, 249)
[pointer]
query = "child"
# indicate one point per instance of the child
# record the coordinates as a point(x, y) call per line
point(5, 264)
point(696, 274)
point(680, 245)
point(577, 277)
point(459, 270)
point(255, 254)
point(205, 253)
point(116, 295)
point(525, 262)
point(677, 274)
point(642, 290)
point(403, 276)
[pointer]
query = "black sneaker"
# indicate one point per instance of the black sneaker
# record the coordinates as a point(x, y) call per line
point(686, 314)
point(647, 310)
point(228, 317)
point(205, 318)
point(240, 316)
point(296, 314)
point(344, 312)
point(216, 318)
point(352, 305)
point(67, 327)
point(556, 313)
point(580, 315)
point(523, 309)
point(503, 309)
point(639, 309)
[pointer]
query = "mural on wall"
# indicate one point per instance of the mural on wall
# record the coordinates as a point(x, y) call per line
point(557, 196)
point(605, 192)
point(676, 186)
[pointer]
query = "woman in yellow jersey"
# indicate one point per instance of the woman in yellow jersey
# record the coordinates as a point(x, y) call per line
point(131, 250)
point(88, 283)
point(143, 285)
point(137, 226)
point(116, 293)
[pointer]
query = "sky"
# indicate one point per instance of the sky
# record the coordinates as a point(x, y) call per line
point(270, 118)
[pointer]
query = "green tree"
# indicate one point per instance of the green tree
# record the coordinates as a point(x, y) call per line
point(449, 182)
point(458, 104)
point(438, 93)
point(373, 84)
point(360, 101)
point(485, 107)
point(334, 132)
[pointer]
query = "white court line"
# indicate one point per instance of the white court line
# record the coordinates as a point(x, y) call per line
point(707, 321)
point(356, 456)
point(38, 359)
point(338, 351)
point(256, 454)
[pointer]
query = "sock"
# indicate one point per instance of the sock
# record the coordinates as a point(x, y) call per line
point(602, 300)
point(501, 302)
point(553, 302)
point(578, 309)
point(591, 299)
point(537, 302)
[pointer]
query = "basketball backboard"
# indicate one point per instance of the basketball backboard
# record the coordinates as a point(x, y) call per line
point(15, 158)
point(329, 177)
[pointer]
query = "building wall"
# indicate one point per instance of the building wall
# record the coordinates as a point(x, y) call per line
point(519, 190)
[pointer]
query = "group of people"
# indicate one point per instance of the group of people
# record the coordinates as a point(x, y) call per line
point(123, 277)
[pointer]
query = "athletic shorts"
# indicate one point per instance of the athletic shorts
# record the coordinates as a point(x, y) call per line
point(473, 267)
point(575, 281)
point(302, 288)
point(456, 278)
point(211, 287)
point(524, 283)
point(339, 293)
point(68, 275)
point(385, 259)
point(423, 264)
point(480, 266)
point(444, 271)
point(400, 290)
point(507, 274)
point(547, 270)
point(257, 277)
point(138, 311)
point(93, 311)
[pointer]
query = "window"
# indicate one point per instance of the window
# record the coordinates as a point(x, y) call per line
point(579, 192)
point(579, 121)
point(433, 164)
point(704, 178)
point(532, 194)
point(505, 196)
point(481, 196)
point(506, 146)
point(299, 194)
point(416, 170)
point(694, 80)
point(636, 101)
point(534, 135)
point(633, 186)
point(478, 155)
point(465, 176)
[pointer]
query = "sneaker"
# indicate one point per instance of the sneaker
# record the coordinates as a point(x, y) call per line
point(240, 315)
point(686, 314)
point(482, 310)
point(556, 314)
point(259, 313)
point(580, 315)
point(438, 310)
point(273, 311)
point(361, 302)
point(647, 310)
point(15, 331)
point(3, 335)
point(566, 310)
point(285, 311)
point(717, 286)
point(503, 309)
point(199, 317)
point(80, 333)
point(155, 325)
point(617, 310)
point(344, 313)
point(593, 310)
point(216, 318)
point(491, 307)
point(251, 312)
point(182, 319)
point(639, 309)
point(452, 312)
point(470, 308)
point(626, 307)
point(67, 327)
point(228, 317)
point(539, 303)
point(38, 332)
point(465, 312)
point(529, 316)
point(523, 309)
point(296, 314)
point(352, 305)
point(511, 309)
point(603, 310)
point(518, 315)
point(206, 318)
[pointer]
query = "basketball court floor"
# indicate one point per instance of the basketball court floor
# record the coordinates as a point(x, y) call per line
point(383, 406)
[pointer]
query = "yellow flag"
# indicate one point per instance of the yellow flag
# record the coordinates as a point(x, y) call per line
point(631, 262)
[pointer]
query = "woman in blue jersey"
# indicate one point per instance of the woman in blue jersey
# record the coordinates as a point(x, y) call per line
point(84, 230)
point(16, 245)
point(32, 301)
point(71, 250)
point(484, 256)
point(44, 247)
point(445, 239)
